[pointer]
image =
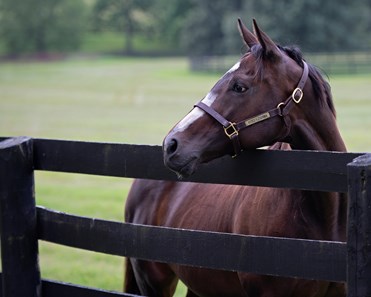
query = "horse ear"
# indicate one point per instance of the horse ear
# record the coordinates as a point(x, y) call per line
point(246, 35)
point(270, 48)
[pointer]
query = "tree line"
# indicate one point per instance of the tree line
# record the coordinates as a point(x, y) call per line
point(193, 27)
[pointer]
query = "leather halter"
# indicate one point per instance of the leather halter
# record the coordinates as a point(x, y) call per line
point(232, 129)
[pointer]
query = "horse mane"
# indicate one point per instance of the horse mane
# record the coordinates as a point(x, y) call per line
point(321, 87)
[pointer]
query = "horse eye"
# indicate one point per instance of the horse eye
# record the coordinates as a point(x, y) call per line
point(238, 88)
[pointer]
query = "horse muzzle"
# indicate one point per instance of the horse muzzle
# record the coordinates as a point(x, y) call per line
point(180, 161)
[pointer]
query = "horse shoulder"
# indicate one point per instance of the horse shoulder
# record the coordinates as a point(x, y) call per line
point(144, 201)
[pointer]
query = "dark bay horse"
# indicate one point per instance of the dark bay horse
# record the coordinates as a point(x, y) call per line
point(271, 96)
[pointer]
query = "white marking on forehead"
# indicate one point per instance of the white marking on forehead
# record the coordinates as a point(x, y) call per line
point(194, 114)
point(209, 99)
point(190, 118)
point(197, 112)
point(234, 67)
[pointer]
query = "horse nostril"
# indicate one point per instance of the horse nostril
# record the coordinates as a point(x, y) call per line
point(172, 146)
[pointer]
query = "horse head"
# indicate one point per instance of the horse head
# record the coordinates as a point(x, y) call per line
point(251, 106)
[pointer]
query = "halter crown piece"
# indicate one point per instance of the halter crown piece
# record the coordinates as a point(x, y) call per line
point(232, 129)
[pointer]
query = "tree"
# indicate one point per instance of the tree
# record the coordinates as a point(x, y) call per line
point(203, 33)
point(315, 25)
point(121, 16)
point(41, 26)
point(162, 20)
point(169, 18)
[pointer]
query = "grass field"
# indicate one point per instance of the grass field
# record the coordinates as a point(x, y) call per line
point(120, 100)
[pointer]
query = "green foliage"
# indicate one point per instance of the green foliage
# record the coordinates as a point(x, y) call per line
point(159, 20)
point(127, 16)
point(315, 25)
point(41, 25)
point(203, 27)
point(116, 15)
point(169, 18)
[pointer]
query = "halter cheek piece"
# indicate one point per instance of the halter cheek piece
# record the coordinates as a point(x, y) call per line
point(232, 129)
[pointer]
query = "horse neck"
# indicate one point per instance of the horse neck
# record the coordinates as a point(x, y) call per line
point(318, 130)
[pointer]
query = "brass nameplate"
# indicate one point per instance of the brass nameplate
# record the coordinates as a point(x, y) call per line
point(257, 119)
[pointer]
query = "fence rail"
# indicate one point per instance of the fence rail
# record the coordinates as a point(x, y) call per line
point(233, 252)
point(60, 289)
point(283, 169)
point(23, 224)
point(330, 63)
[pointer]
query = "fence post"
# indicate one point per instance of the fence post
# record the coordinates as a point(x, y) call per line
point(359, 227)
point(19, 246)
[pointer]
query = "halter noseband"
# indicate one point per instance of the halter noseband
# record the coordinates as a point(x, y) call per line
point(232, 129)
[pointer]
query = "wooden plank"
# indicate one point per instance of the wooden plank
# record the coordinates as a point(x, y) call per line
point(263, 255)
point(306, 170)
point(359, 227)
point(122, 160)
point(19, 245)
point(60, 289)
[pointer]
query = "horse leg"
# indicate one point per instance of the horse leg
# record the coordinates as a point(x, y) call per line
point(154, 279)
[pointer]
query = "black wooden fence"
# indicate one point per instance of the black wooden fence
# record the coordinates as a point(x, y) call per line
point(23, 224)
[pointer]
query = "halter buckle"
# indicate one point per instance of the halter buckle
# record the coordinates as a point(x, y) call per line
point(231, 130)
point(297, 95)
point(280, 111)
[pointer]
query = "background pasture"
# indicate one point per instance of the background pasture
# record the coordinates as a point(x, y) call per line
point(121, 100)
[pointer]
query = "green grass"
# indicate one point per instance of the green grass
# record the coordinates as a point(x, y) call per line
point(352, 96)
point(105, 100)
point(120, 100)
